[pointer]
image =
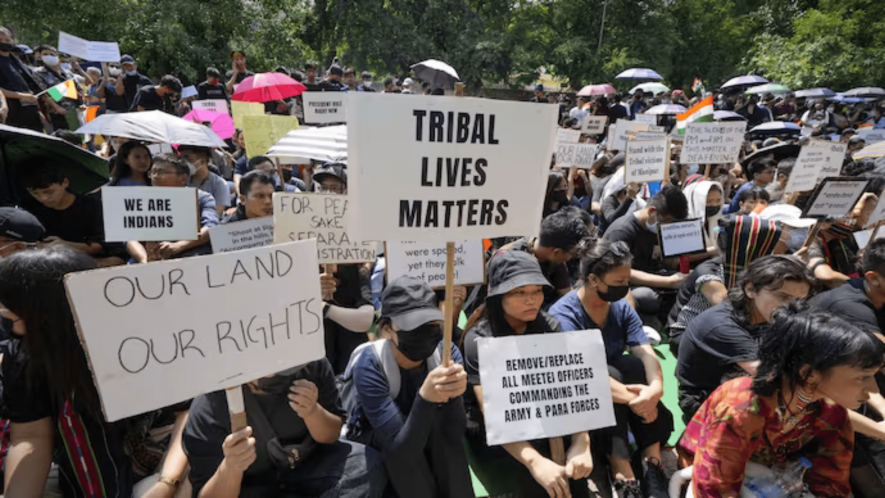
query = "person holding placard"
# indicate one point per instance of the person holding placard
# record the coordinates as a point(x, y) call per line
point(516, 294)
point(204, 179)
point(256, 198)
point(636, 379)
point(418, 429)
point(722, 342)
point(704, 202)
point(132, 166)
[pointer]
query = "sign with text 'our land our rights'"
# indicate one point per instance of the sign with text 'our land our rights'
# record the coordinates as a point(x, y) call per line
point(155, 334)
point(544, 385)
point(431, 168)
point(712, 143)
point(149, 213)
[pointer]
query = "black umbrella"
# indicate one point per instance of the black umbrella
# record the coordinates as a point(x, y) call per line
point(780, 151)
point(20, 147)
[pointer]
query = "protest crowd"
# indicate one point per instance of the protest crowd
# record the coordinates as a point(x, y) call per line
point(669, 227)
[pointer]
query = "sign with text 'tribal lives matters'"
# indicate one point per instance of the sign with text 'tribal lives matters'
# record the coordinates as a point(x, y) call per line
point(324, 107)
point(156, 335)
point(324, 217)
point(544, 385)
point(447, 168)
point(428, 262)
point(712, 143)
point(149, 213)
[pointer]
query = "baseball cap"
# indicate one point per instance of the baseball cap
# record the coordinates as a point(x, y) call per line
point(337, 170)
point(407, 82)
point(127, 59)
point(336, 70)
point(513, 269)
point(20, 225)
point(409, 303)
point(366, 75)
point(539, 88)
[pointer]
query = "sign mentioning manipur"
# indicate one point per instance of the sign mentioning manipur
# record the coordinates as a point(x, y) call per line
point(155, 334)
point(817, 160)
point(835, 197)
point(447, 168)
point(682, 237)
point(544, 385)
point(324, 107)
point(646, 160)
point(149, 213)
point(246, 234)
point(712, 143)
point(324, 217)
point(428, 262)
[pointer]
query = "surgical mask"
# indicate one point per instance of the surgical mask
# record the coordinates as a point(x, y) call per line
point(418, 344)
point(614, 293)
point(66, 66)
point(131, 73)
point(712, 211)
point(6, 47)
point(114, 71)
point(693, 169)
point(50, 60)
point(651, 227)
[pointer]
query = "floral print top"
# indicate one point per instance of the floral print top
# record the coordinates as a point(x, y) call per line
point(735, 426)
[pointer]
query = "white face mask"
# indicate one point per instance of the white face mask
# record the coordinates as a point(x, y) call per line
point(50, 60)
point(114, 71)
point(131, 73)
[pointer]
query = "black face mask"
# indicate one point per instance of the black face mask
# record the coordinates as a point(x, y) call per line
point(614, 293)
point(713, 210)
point(418, 344)
point(6, 47)
point(560, 196)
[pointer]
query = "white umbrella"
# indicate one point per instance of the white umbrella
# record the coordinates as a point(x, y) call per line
point(436, 72)
point(866, 92)
point(654, 88)
point(328, 144)
point(639, 73)
point(727, 115)
point(153, 126)
point(815, 93)
point(666, 109)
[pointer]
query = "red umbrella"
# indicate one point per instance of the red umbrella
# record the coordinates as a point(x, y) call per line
point(220, 123)
point(266, 87)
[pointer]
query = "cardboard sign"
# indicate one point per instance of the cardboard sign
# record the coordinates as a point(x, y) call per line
point(88, 50)
point(623, 126)
point(262, 132)
point(871, 135)
point(324, 217)
point(428, 262)
point(214, 105)
point(648, 135)
point(240, 109)
point(577, 155)
point(567, 136)
point(651, 119)
point(594, 125)
point(819, 159)
point(835, 197)
point(150, 213)
point(416, 176)
point(646, 160)
point(682, 237)
point(156, 335)
point(712, 143)
point(240, 235)
point(544, 385)
point(324, 107)
point(863, 237)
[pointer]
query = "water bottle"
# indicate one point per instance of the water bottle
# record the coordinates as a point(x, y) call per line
point(788, 484)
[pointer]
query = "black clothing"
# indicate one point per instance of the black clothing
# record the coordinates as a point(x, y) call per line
point(354, 291)
point(641, 241)
point(205, 91)
point(148, 99)
point(850, 302)
point(132, 84)
point(16, 77)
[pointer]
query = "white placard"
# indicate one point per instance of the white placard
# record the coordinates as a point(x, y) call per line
point(88, 50)
point(324, 107)
point(618, 141)
point(682, 237)
point(161, 333)
point(189, 91)
point(544, 385)
point(871, 135)
point(712, 143)
point(863, 237)
point(650, 135)
point(651, 119)
point(214, 105)
point(567, 136)
point(414, 177)
point(646, 160)
point(879, 214)
point(428, 262)
point(594, 125)
point(150, 213)
point(817, 160)
point(246, 234)
point(577, 155)
point(324, 217)
point(835, 197)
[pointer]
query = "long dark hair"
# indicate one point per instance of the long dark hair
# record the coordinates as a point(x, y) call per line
point(768, 272)
point(31, 286)
point(554, 178)
point(121, 165)
point(800, 337)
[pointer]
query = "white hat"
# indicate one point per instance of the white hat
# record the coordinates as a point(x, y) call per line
point(787, 214)
point(407, 82)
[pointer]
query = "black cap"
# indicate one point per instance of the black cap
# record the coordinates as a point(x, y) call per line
point(20, 225)
point(409, 303)
point(336, 70)
point(127, 59)
point(512, 269)
point(337, 170)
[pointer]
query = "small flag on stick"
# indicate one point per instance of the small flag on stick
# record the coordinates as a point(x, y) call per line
point(63, 90)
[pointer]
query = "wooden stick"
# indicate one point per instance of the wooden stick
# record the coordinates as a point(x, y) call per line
point(449, 304)
point(280, 172)
point(875, 231)
point(557, 450)
point(707, 170)
point(793, 198)
point(237, 408)
point(459, 89)
point(812, 234)
point(667, 166)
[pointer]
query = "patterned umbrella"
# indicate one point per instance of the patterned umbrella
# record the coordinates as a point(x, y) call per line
point(220, 122)
point(327, 144)
point(601, 89)
point(639, 73)
point(748, 80)
point(267, 87)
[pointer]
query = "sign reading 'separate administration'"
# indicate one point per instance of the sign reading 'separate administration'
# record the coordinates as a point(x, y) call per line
point(712, 143)
point(149, 213)
point(324, 217)
point(436, 169)
point(161, 333)
point(428, 262)
point(544, 385)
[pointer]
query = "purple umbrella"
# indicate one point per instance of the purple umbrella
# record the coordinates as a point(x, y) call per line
point(748, 80)
point(638, 73)
point(815, 93)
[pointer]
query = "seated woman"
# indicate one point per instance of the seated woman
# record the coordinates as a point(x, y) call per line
point(705, 203)
point(812, 368)
point(133, 166)
point(636, 380)
point(48, 393)
point(524, 469)
point(418, 430)
point(723, 341)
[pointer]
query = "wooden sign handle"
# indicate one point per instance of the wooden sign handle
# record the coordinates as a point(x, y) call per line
point(280, 172)
point(875, 231)
point(449, 303)
point(557, 450)
point(667, 166)
point(812, 234)
point(237, 408)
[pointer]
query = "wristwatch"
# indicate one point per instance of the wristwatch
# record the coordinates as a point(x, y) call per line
point(169, 480)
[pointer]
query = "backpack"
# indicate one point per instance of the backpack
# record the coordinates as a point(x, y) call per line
point(384, 354)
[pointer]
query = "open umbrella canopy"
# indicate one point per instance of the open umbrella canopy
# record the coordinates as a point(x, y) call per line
point(844, 99)
point(768, 88)
point(777, 127)
point(601, 89)
point(747, 80)
point(873, 150)
point(653, 88)
point(219, 122)
point(779, 151)
point(20, 147)
point(328, 144)
point(727, 116)
point(871, 92)
point(438, 73)
point(666, 109)
point(153, 126)
point(639, 73)
point(267, 87)
point(815, 93)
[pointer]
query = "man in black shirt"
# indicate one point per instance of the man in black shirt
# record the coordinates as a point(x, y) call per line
point(130, 81)
point(256, 197)
point(238, 70)
point(19, 86)
point(159, 97)
point(211, 89)
point(333, 83)
point(539, 95)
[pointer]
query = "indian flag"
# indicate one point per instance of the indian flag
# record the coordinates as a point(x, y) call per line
point(702, 112)
point(63, 90)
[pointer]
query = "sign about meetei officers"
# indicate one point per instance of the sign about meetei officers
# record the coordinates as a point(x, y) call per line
point(446, 168)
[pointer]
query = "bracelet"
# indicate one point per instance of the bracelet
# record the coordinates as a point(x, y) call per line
point(168, 480)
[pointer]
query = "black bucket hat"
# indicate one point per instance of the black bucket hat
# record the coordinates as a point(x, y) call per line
point(409, 303)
